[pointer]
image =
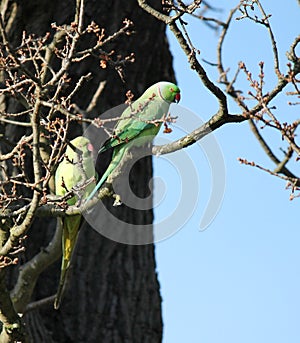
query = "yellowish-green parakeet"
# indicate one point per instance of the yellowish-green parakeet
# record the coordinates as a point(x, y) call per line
point(76, 173)
point(139, 124)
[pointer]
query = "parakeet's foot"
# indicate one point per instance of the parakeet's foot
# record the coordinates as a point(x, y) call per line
point(117, 201)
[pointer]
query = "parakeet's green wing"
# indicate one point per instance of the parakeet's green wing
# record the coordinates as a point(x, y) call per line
point(125, 136)
point(129, 128)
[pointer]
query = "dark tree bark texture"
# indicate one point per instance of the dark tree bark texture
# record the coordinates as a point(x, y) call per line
point(113, 294)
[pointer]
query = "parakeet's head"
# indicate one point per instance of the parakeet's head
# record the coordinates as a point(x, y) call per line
point(79, 145)
point(167, 91)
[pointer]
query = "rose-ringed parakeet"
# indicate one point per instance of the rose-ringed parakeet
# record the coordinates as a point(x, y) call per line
point(139, 124)
point(76, 173)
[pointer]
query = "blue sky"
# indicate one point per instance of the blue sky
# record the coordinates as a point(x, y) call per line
point(239, 279)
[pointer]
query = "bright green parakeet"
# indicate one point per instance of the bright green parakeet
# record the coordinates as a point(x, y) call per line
point(139, 124)
point(76, 173)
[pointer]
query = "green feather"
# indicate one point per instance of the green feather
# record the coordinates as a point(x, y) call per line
point(76, 167)
point(138, 124)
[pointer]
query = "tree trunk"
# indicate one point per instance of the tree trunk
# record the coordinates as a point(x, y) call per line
point(113, 293)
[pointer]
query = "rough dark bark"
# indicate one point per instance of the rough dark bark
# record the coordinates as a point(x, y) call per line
point(114, 294)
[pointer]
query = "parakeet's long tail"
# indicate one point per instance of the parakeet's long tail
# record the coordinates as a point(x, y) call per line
point(59, 293)
point(99, 184)
point(70, 232)
point(117, 156)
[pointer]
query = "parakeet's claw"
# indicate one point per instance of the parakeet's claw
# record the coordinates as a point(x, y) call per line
point(117, 201)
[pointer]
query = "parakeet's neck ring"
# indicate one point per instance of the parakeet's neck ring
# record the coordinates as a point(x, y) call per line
point(159, 93)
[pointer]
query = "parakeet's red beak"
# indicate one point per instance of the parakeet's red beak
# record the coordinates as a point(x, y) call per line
point(90, 147)
point(177, 97)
